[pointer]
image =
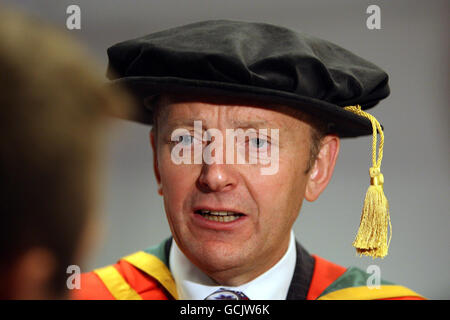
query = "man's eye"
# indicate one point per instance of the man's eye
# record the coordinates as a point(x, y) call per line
point(185, 139)
point(258, 142)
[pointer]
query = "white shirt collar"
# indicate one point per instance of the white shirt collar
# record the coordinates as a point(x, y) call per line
point(193, 284)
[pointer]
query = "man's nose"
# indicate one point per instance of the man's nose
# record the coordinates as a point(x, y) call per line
point(217, 177)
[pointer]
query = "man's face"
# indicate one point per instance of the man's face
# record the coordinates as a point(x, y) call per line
point(267, 204)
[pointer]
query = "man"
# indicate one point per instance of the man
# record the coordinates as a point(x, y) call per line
point(231, 221)
point(52, 118)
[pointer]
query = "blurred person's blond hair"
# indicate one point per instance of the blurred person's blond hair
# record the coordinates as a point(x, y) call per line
point(53, 103)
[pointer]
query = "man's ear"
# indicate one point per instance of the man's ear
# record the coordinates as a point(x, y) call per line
point(155, 160)
point(323, 168)
point(31, 275)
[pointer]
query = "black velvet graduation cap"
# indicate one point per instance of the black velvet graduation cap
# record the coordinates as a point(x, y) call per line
point(255, 61)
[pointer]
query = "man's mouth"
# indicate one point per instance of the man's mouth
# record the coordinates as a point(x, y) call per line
point(219, 216)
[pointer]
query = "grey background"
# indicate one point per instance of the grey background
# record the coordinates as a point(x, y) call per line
point(412, 47)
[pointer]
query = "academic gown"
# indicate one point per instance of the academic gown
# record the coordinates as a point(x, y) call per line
point(145, 275)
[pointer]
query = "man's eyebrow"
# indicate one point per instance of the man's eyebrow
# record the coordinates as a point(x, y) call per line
point(234, 123)
point(254, 123)
point(188, 122)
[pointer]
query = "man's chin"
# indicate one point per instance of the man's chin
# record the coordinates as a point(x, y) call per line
point(215, 256)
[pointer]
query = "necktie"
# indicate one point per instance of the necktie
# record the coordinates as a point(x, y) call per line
point(227, 294)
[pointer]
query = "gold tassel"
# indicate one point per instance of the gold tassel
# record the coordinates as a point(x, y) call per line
point(372, 237)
